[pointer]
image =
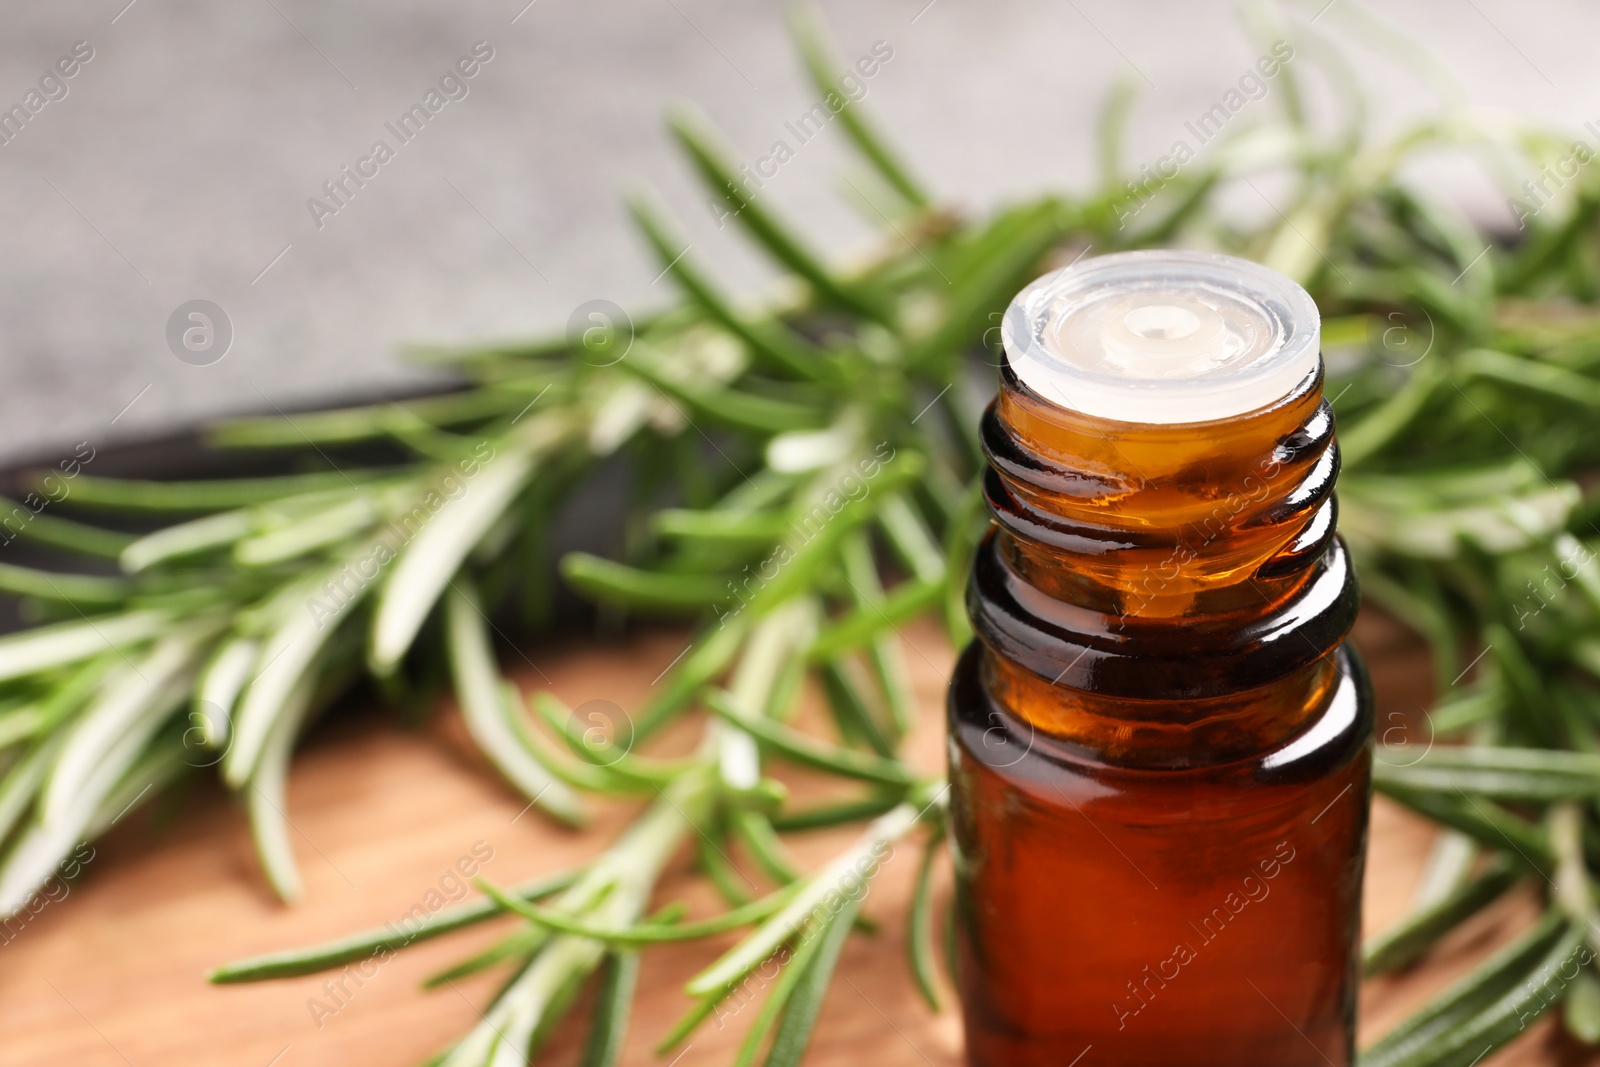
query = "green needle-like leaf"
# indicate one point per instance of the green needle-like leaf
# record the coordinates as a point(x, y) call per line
point(446, 533)
point(793, 969)
point(52, 531)
point(825, 68)
point(266, 793)
point(1507, 773)
point(197, 496)
point(719, 527)
point(847, 874)
point(305, 617)
point(1542, 379)
point(417, 925)
point(725, 182)
point(1407, 940)
point(129, 709)
point(1416, 1040)
point(804, 1004)
point(825, 815)
point(37, 650)
point(1481, 819)
point(606, 579)
point(919, 927)
point(221, 682)
point(614, 1005)
point(1487, 1008)
point(637, 936)
point(770, 341)
point(84, 591)
point(485, 712)
point(846, 698)
point(731, 407)
point(187, 539)
point(1581, 1009)
point(808, 751)
point(904, 603)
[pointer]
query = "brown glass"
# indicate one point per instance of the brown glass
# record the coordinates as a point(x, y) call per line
point(1160, 752)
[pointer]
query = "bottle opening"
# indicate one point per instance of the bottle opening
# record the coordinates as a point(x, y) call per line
point(1163, 337)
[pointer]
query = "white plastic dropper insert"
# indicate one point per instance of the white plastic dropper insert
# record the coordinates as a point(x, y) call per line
point(1163, 337)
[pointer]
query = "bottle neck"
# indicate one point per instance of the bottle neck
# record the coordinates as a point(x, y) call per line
point(1136, 563)
point(1162, 521)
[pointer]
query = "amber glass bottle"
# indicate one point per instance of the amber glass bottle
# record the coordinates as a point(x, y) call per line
point(1159, 749)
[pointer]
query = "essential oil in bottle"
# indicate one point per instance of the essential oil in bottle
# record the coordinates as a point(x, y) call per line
point(1160, 750)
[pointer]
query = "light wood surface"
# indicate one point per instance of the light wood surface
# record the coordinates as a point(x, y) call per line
point(113, 973)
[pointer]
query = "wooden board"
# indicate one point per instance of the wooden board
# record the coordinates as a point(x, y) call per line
point(112, 974)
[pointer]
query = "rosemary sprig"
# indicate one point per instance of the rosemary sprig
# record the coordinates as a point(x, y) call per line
point(823, 473)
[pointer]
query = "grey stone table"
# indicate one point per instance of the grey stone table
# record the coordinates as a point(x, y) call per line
point(183, 157)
